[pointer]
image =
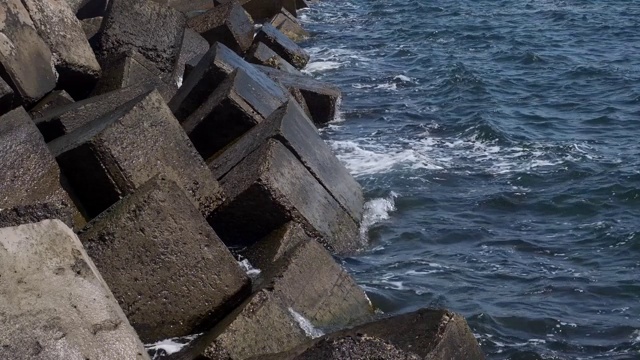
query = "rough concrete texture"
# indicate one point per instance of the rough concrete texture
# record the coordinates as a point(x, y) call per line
point(112, 156)
point(292, 29)
point(26, 63)
point(228, 24)
point(166, 267)
point(6, 97)
point(191, 7)
point(55, 99)
point(237, 105)
point(74, 59)
point(321, 98)
point(270, 187)
point(259, 9)
point(53, 301)
point(212, 69)
point(153, 29)
point(282, 45)
point(262, 325)
point(193, 45)
point(30, 186)
point(424, 334)
point(261, 54)
point(75, 5)
point(291, 127)
point(309, 280)
point(62, 120)
point(129, 69)
point(91, 26)
point(275, 246)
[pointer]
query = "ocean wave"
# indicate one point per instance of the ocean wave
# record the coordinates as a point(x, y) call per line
point(375, 211)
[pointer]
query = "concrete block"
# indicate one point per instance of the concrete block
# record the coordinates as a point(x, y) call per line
point(308, 279)
point(237, 105)
point(62, 120)
point(91, 26)
point(291, 127)
point(152, 29)
point(131, 68)
point(291, 28)
point(55, 99)
point(6, 97)
point(259, 10)
point(228, 24)
point(53, 301)
point(211, 70)
point(24, 57)
point(75, 5)
point(166, 267)
point(193, 45)
point(30, 182)
point(271, 187)
point(282, 45)
point(110, 157)
point(321, 98)
point(261, 54)
point(191, 7)
point(74, 59)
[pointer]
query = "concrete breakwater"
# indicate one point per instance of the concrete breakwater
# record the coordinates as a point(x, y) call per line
point(141, 140)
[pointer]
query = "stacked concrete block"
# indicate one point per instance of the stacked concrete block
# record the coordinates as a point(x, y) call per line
point(54, 100)
point(261, 54)
point(31, 187)
point(153, 29)
point(91, 26)
point(166, 267)
point(291, 127)
point(288, 25)
point(6, 97)
point(193, 45)
point(24, 57)
point(53, 301)
point(228, 24)
point(191, 8)
point(271, 187)
point(259, 9)
point(321, 98)
point(282, 45)
point(74, 60)
point(237, 105)
point(110, 157)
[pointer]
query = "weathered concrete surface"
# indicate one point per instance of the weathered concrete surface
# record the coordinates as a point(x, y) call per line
point(228, 24)
point(91, 26)
point(55, 99)
point(191, 7)
point(169, 271)
point(282, 45)
point(6, 97)
point(321, 98)
point(53, 301)
point(238, 104)
point(112, 156)
point(25, 58)
point(276, 246)
point(262, 325)
point(130, 68)
point(153, 29)
point(30, 181)
point(308, 279)
point(291, 28)
point(259, 9)
point(62, 120)
point(271, 187)
point(261, 54)
point(75, 5)
point(74, 59)
point(212, 69)
point(425, 334)
point(193, 45)
point(291, 127)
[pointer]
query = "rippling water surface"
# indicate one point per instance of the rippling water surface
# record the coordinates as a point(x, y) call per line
point(498, 146)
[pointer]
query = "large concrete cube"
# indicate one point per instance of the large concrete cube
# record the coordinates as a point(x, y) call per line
point(282, 45)
point(24, 57)
point(321, 98)
point(259, 9)
point(30, 182)
point(54, 100)
point(109, 158)
point(271, 187)
point(291, 126)
point(59, 27)
point(166, 267)
point(238, 104)
point(228, 24)
point(152, 29)
point(290, 27)
point(261, 54)
point(193, 45)
point(53, 301)
point(211, 70)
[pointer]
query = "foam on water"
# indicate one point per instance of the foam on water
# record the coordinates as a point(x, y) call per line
point(320, 66)
point(306, 325)
point(375, 211)
point(169, 346)
point(248, 268)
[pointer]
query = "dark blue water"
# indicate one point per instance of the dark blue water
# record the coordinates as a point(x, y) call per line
point(498, 145)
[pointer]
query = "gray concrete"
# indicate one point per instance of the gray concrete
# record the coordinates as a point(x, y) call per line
point(228, 24)
point(169, 271)
point(6, 97)
point(261, 54)
point(292, 29)
point(55, 99)
point(53, 301)
point(259, 10)
point(282, 45)
point(193, 45)
point(91, 26)
point(110, 157)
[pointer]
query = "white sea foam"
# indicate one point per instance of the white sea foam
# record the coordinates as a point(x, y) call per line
point(179, 82)
point(375, 211)
point(169, 346)
point(306, 325)
point(403, 78)
point(636, 336)
point(248, 268)
point(320, 66)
